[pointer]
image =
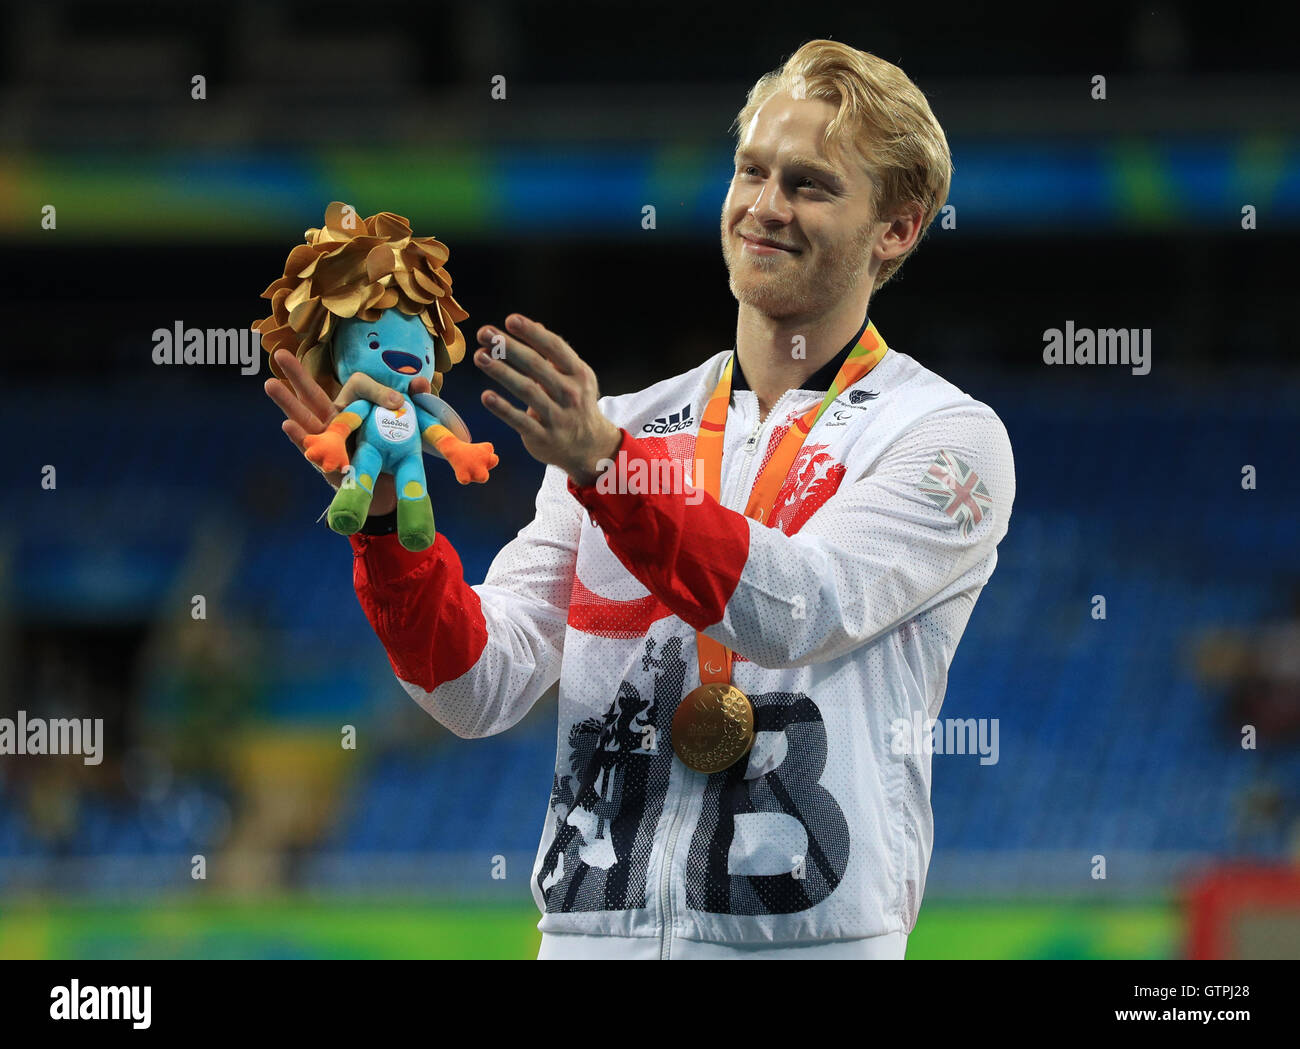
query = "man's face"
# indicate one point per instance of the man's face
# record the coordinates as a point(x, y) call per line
point(789, 190)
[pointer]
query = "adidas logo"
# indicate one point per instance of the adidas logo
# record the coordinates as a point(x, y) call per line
point(678, 420)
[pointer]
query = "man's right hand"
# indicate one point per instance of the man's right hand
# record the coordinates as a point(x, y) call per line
point(309, 409)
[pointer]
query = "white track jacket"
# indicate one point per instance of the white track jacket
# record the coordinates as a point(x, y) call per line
point(843, 612)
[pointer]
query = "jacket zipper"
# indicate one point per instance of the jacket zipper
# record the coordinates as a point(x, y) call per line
point(665, 872)
point(751, 446)
point(665, 882)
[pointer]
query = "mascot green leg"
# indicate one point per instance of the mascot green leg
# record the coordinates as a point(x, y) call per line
point(415, 529)
point(349, 509)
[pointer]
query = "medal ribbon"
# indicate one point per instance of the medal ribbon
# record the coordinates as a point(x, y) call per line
point(708, 452)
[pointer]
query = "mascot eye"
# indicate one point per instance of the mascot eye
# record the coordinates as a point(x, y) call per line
point(374, 344)
point(427, 361)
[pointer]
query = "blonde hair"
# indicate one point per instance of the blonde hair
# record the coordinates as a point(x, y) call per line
point(883, 116)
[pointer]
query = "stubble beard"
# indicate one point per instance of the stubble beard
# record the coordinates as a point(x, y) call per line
point(780, 287)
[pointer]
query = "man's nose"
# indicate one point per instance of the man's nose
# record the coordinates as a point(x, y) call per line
point(770, 205)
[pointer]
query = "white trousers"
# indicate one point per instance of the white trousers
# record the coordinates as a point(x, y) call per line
point(575, 946)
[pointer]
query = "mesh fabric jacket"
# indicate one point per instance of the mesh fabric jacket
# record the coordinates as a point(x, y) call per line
point(843, 611)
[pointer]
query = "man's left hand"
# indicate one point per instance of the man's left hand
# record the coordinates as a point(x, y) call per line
point(562, 426)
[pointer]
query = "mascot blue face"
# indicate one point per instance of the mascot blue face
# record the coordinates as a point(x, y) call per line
point(392, 350)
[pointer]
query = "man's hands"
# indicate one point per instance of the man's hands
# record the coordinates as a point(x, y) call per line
point(562, 426)
point(309, 411)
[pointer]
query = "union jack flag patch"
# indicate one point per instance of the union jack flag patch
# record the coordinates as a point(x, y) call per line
point(957, 490)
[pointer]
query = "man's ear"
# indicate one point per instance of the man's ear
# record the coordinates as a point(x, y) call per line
point(902, 233)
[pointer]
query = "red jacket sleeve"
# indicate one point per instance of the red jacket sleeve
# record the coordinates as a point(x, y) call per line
point(476, 658)
point(689, 556)
point(879, 551)
point(411, 598)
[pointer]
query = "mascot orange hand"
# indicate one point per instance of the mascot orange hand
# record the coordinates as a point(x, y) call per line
point(328, 450)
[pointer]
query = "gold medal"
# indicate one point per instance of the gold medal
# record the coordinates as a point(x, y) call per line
point(713, 727)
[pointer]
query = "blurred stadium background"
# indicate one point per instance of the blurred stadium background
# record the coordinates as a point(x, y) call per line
point(1118, 737)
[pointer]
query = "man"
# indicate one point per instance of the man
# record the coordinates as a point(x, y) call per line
point(744, 602)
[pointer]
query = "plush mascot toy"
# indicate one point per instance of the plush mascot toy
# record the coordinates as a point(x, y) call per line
point(368, 296)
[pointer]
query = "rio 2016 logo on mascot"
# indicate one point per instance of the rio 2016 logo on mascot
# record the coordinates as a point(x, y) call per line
point(368, 296)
